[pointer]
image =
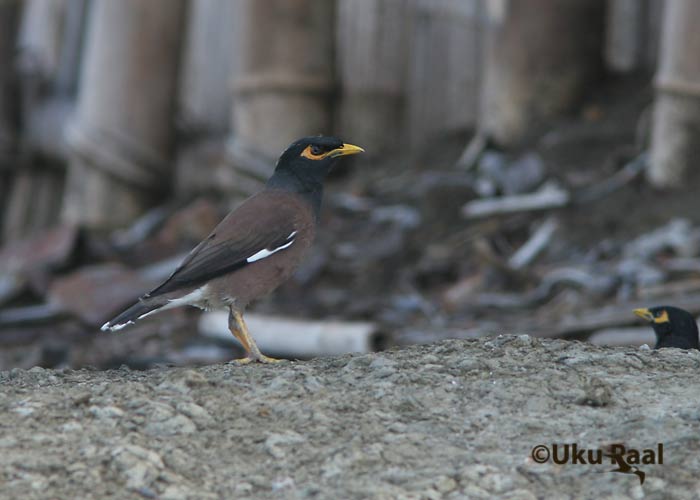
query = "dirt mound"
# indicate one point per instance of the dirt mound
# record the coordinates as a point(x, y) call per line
point(450, 420)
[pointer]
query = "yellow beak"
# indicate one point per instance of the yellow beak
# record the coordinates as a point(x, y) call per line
point(345, 150)
point(644, 314)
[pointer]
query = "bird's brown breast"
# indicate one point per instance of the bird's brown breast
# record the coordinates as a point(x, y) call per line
point(290, 213)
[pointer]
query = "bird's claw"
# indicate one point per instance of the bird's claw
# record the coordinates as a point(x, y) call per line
point(259, 359)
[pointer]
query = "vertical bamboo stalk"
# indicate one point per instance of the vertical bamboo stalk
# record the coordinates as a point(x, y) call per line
point(208, 57)
point(9, 19)
point(445, 75)
point(676, 128)
point(541, 55)
point(632, 34)
point(372, 52)
point(205, 100)
point(34, 197)
point(122, 138)
point(284, 81)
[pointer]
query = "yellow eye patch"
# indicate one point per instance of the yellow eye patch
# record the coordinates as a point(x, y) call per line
point(662, 318)
point(307, 153)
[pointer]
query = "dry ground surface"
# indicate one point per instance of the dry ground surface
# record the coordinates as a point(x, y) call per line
point(456, 419)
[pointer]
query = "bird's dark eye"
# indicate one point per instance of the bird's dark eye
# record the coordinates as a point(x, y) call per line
point(657, 314)
point(316, 150)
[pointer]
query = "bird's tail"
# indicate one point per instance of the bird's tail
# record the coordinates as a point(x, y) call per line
point(137, 311)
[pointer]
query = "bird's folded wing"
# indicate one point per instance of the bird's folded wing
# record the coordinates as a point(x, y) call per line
point(227, 250)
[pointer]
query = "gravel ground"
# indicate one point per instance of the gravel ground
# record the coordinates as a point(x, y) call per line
point(457, 419)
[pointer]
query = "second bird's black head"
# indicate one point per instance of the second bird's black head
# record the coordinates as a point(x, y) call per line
point(303, 166)
point(674, 327)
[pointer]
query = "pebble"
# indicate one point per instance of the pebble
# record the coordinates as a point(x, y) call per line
point(277, 444)
point(178, 424)
point(105, 412)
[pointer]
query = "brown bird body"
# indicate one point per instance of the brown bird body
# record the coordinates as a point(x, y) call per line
point(292, 215)
point(253, 249)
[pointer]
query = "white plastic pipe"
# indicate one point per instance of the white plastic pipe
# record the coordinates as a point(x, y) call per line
point(295, 338)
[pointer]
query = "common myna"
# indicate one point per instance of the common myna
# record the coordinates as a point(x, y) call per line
point(254, 248)
point(674, 327)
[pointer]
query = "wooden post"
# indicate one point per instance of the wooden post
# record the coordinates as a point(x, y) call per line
point(205, 100)
point(372, 51)
point(444, 78)
point(676, 127)
point(122, 137)
point(632, 34)
point(9, 17)
point(284, 82)
point(208, 57)
point(34, 198)
point(541, 56)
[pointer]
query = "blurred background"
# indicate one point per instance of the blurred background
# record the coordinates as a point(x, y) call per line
point(529, 168)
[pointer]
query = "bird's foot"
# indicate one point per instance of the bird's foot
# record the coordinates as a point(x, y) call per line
point(256, 359)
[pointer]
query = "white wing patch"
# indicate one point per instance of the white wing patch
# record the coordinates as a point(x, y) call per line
point(266, 253)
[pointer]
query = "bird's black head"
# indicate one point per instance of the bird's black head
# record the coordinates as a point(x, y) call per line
point(303, 166)
point(674, 327)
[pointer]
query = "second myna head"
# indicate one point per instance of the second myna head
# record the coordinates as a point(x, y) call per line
point(674, 327)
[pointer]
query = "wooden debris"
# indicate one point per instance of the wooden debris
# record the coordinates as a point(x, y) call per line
point(49, 250)
point(681, 265)
point(539, 240)
point(470, 156)
point(670, 289)
point(11, 285)
point(615, 315)
point(42, 313)
point(547, 197)
point(631, 171)
point(678, 235)
point(96, 293)
point(295, 338)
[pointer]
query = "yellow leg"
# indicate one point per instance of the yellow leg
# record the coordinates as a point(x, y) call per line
point(240, 331)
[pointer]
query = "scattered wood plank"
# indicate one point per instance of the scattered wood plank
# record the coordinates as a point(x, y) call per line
point(548, 197)
point(612, 316)
point(539, 240)
point(471, 154)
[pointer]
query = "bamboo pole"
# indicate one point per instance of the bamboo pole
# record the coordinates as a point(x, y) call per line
point(676, 127)
point(283, 86)
point(372, 52)
point(34, 197)
point(208, 58)
point(205, 100)
point(122, 137)
point(444, 78)
point(9, 18)
point(632, 34)
point(541, 56)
